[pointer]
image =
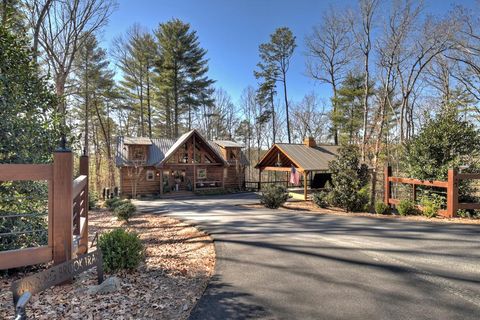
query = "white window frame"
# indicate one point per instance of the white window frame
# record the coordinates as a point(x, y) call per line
point(152, 178)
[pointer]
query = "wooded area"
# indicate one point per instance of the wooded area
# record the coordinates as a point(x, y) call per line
point(391, 67)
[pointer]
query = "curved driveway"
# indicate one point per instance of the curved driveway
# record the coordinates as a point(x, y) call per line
point(284, 265)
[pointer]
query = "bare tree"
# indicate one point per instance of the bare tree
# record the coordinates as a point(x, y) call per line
point(309, 118)
point(362, 31)
point(426, 41)
point(330, 53)
point(64, 29)
point(37, 11)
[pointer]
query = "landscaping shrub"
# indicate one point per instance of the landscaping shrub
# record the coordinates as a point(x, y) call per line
point(320, 199)
point(381, 208)
point(471, 214)
point(349, 180)
point(431, 204)
point(115, 202)
point(274, 196)
point(406, 207)
point(124, 211)
point(121, 250)
point(92, 200)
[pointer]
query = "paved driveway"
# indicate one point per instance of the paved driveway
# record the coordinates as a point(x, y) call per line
point(284, 265)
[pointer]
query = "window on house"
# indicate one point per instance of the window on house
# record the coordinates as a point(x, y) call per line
point(138, 153)
point(208, 159)
point(150, 175)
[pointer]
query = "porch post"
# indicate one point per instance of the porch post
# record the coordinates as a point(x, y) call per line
point(161, 182)
point(305, 192)
point(194, 187)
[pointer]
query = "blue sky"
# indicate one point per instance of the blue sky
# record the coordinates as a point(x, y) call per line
point(231, 31)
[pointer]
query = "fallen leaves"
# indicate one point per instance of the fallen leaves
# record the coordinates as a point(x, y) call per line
point(178, 265)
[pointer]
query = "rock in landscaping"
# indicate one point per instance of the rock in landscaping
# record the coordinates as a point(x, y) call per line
point(110, 285)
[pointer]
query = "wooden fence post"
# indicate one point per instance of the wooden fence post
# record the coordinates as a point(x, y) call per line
point(62, 205)
point(387, 189)
point(84, 167)
point(452, 193)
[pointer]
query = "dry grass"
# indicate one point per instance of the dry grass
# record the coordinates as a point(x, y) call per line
point(179, 263)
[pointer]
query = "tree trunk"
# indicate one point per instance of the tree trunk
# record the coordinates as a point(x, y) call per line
point(86, 105)
point(365, 106)
point(286, 105)
point(149, 107)
point(273, 117)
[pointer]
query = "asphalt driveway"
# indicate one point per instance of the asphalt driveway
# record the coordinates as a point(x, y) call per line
point(275, 264)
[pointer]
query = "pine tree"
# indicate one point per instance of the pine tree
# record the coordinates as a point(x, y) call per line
point(276, 56)
point(182, 71)
point(136, 57)
point(349, 114)
point(95, 81)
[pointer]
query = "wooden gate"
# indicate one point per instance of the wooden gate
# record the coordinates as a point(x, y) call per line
point(67, 210)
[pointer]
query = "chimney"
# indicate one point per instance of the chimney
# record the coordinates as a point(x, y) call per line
point(310, 142)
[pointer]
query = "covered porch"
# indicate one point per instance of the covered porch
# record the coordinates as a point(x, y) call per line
point(308, 160)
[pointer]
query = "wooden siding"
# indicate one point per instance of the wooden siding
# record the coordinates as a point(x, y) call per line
point(144, 187)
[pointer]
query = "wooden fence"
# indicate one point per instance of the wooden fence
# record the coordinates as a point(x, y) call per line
point(67, 210)
point(451, 186)
point(258, 185)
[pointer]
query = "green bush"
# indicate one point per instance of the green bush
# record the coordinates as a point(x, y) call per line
point(349, 177)
point(92, 200)
point(431, 204)
point(121, 250)
point(381, 208)
point(115, 202)
point(320, 199)
point(471, 214)
point(362, 202)
point(274, 196)
point(125, 211)
point(406, 207)
point(109, 203)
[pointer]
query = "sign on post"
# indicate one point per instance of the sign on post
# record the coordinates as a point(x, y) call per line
point(58, 274)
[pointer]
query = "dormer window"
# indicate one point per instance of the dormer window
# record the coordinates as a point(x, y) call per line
point(138, 153)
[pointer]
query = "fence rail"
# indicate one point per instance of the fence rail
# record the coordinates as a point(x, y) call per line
point(67, 207)
point(257, 185)
point(451, 186)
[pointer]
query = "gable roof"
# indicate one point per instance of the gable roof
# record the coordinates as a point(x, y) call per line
point(183, 138)
point(156, 151)
point(159, 150)
point(303, 157)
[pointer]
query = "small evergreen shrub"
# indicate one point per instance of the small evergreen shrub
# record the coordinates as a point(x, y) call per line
point(406, 207)
point(110, 203)
point(121, 250)
point(431, 204)
point(349, 177)
point(381, 208)
point(362, 201)
point(471, 214)
point(125, 211)
point(320, 199)
point(92, 200)
point(274, 196)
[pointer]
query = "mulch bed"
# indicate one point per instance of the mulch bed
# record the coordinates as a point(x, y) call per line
point(310, 207)
point(179, 263)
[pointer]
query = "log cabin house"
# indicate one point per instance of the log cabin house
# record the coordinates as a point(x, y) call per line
point(189, 164)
